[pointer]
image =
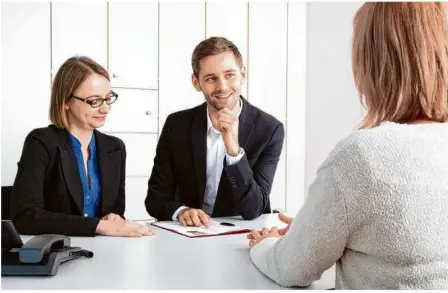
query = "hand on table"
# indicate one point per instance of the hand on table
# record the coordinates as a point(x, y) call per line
point(257, 236)
point(194, 217)
point(111, 225)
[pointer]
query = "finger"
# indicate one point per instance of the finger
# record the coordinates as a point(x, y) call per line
point(224, 115)
point(256, 234)
point(283, 231)
point(145, 231)
point(249, 235)
point(205, 219)
point(224, 126)
point(252, 243)
point(285, 219)
point(225, 111)
point(274, 232)
point(195, 218)
point(265, 232)
point(134, 225)
point(132, 233)
point(182, 220)
point(148, 232)
point(188, 218)
point(228, 120)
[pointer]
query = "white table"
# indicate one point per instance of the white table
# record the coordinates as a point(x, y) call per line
point(164, 261)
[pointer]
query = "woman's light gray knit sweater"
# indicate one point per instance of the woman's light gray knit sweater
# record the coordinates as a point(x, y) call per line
point(378, 209)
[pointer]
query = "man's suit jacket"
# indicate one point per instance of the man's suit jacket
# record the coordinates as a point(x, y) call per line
point(179, 173)
point(47, 195)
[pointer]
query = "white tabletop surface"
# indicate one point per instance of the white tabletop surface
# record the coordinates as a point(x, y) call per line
point(164, 261)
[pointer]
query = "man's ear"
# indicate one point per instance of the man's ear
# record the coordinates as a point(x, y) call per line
point(243, 74)
point(195, 82)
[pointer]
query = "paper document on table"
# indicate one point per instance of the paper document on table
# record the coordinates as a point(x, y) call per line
point(215, 229)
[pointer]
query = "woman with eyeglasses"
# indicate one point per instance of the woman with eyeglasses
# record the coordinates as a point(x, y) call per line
point(71, 177)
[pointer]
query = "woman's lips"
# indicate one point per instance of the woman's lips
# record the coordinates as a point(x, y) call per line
point(100, 118)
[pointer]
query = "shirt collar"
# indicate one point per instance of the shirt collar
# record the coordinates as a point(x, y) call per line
point(209, 121)
point(77, 143)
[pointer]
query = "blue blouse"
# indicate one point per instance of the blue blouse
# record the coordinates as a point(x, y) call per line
point(91, 191)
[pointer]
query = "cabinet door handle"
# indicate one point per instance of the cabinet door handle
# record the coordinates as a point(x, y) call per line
point(115, 75)
point(148, 113)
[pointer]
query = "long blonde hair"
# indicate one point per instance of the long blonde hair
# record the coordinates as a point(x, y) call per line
point(400, 61)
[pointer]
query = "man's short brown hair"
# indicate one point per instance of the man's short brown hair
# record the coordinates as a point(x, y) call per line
point(213, 46)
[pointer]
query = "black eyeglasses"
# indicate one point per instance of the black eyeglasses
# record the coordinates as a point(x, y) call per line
point(95, 103)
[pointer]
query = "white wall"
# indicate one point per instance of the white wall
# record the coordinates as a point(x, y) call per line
point(25, 78)
point(332, 106)
point(147, 48)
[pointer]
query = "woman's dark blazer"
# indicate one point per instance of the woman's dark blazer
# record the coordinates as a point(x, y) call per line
point(47, 196)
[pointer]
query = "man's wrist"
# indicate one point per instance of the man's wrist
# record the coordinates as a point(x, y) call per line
point(236, 152)
point(233, 152)
point(182, 211)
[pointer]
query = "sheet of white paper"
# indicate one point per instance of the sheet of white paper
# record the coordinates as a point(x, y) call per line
point(215, 228)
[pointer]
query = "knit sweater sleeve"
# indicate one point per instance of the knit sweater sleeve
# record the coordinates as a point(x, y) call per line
point(315, 241)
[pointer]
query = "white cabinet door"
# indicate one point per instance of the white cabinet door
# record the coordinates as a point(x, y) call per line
point(231, 22)
point(141, 150)
point(182, 27)
point(136, 189)
point(78, 28)
point(134, 111)
point(133, 44)
point(267, 75)
point(26, 77)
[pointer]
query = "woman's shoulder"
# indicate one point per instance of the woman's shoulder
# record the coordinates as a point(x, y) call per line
point(359, 145)
point(384, 141)
point(47, 135)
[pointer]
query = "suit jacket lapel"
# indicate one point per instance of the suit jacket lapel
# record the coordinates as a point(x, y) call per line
point(199, 143)
point(109, 167)
point(70, 171)
point(246, 124)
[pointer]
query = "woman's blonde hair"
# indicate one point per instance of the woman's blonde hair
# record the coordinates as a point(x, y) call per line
point(68, 78)
point(400, 61)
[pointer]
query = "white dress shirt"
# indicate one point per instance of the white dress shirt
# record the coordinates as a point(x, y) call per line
point(216, 151)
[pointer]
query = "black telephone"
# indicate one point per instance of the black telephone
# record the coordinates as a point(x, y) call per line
point(41, 255)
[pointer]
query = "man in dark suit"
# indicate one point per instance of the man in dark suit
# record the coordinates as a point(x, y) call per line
point(219, 158)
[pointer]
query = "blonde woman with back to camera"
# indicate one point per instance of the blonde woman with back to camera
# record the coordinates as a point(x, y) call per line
point(379, 205)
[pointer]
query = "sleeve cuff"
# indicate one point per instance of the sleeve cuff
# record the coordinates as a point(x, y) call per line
point(259, 252)
point(177, 212)
point(260, 256)
point(234, 160)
